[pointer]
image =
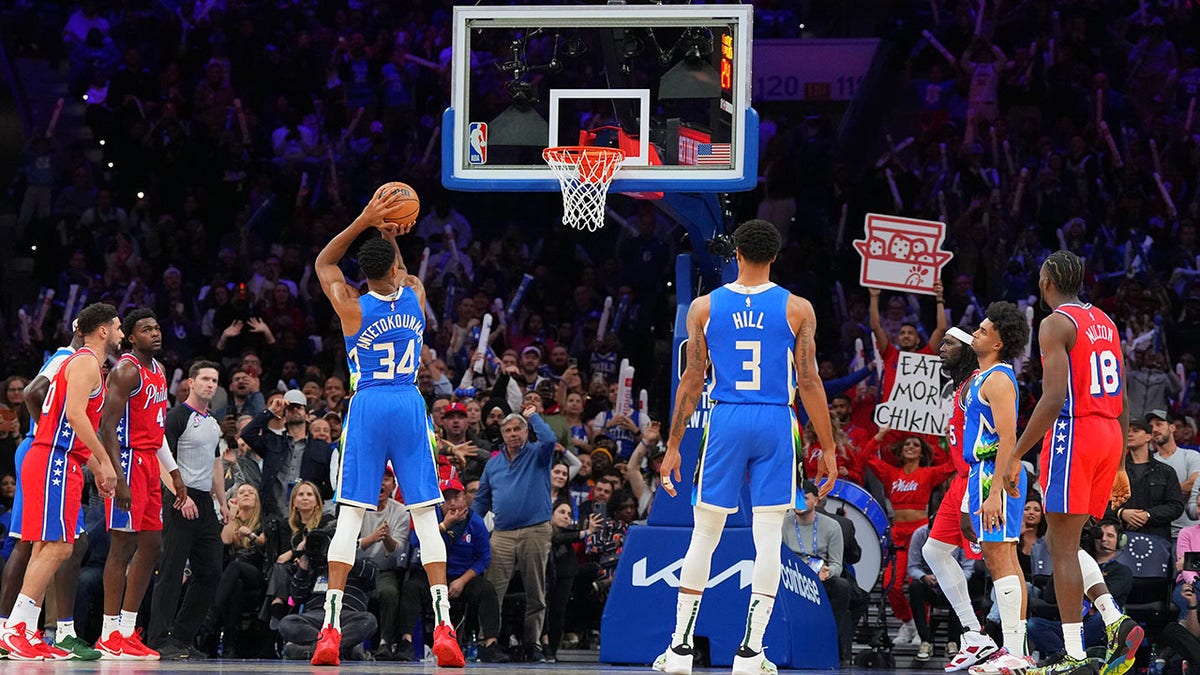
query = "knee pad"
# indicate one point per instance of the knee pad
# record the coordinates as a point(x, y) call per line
point(425, 524)
point(705, 536)
point(767, 528)
point(1092, 576)
point(343, 545)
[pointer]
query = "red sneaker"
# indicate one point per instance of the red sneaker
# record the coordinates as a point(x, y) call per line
point(16, 641)
point(445, 647)
point(329, 647)
point(113, 647)
point(136, 649)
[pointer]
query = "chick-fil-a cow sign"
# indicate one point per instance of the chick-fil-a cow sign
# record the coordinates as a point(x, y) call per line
point(902, 254)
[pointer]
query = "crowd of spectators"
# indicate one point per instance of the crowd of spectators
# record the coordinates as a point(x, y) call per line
point(230, 140)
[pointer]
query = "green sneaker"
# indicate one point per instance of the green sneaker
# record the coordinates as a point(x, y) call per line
point(1124, 638)
point(1065, 665)
point(80, 650)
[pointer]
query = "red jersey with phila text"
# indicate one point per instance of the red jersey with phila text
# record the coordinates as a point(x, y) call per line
point(954, 431)
point(1095, 364)
point(141, 426)
point(54, 432)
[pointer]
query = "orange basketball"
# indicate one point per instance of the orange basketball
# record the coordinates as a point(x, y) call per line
point(404, 214)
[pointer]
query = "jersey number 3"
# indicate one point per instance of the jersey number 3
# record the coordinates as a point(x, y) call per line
point(753, 366)
point(388, 361)
point(1106, 374)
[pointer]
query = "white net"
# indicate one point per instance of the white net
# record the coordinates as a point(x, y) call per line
point(584, 174)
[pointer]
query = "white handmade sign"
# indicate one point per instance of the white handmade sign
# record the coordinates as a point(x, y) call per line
point(919, 402)
point(902, 254)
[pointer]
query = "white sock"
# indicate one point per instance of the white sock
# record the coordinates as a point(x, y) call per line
point(128, 623)
point(951, 580)
point(25, 611)
point(686, 611)
point(757, 618)
point(1073, 638)
point(441, 604)
point(333, 609)
point(1008, 597)
point(66, 629)
point(110, 625)
point(1108, 609)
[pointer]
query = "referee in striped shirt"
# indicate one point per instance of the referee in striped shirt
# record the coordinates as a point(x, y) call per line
point(193, 532)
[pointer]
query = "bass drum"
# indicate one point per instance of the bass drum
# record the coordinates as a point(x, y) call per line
point(870, 529)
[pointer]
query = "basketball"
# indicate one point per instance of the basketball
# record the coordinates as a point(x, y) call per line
point(404, 214)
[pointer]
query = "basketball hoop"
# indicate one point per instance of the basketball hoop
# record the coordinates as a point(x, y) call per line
point(584, 174)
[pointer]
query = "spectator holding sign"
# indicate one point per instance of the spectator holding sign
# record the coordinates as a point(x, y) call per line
point(909, 339)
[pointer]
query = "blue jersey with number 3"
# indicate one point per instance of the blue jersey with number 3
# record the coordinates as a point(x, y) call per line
point(386, 350)
point(750, 345)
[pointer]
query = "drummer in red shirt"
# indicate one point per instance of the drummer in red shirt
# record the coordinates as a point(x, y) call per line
point(908, 488)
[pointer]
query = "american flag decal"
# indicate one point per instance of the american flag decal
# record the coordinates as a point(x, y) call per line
point(708, 154)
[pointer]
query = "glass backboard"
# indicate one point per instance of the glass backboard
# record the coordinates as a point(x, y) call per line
point(667, 84)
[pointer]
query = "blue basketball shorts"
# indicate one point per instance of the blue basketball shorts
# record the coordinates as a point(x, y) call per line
point(751, 444)
point(382, 424)
point(979, 485)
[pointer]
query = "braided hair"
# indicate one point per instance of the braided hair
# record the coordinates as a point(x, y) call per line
point(1065, 270)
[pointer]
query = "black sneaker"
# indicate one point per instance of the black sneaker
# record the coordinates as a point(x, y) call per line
point(403, 650)
point(492, 653)
point(1124, 638)
point(1065, 665)
point(295, 652)
point(533, 654)
point(172, 649)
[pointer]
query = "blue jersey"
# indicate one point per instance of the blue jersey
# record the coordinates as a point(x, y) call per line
point(49, 370)
point(750, 344)
point(386, 350)
point(980, 440)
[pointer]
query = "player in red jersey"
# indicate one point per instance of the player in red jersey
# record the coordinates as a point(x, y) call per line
point(52, 476)
point(1082, 422)
point(132, 431)
point(946, 534)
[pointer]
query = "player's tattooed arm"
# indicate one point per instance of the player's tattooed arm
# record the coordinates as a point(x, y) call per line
point(691, 383)
point(803, 319)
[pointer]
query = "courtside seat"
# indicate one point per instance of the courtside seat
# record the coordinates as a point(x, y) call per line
point(1151, 559)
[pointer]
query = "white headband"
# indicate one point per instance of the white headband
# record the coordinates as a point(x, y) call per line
point(960, 335)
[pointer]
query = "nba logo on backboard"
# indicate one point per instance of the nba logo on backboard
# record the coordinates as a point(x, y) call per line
point(477, 152)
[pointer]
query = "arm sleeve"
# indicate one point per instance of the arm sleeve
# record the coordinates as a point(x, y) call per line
point(1191, 502)
point(165, 459)
point(835, 552)
point(916, 557)
point(545, 434)
point(1172, 504)
point(573, 464)
point(253, 432)
point(175, 425)
point(483, 498)
point(482, 542)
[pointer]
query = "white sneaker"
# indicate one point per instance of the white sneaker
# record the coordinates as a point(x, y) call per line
point(1003, 663)
point(976, 648)
point(925, 651)
point(674, 663)
point(906, 635)
point(754, 665)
